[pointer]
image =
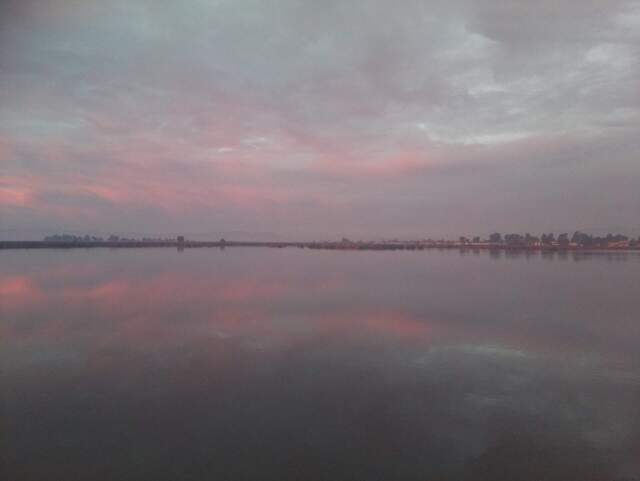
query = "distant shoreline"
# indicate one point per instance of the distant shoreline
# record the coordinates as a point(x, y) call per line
point(373, 246)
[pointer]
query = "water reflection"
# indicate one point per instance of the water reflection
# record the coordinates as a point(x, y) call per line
point(290, 364)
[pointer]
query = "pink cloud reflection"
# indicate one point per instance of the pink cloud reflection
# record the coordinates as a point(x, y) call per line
point(16, 290)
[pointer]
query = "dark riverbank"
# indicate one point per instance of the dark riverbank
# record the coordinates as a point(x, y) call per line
point(135, 244)
point(309, 245)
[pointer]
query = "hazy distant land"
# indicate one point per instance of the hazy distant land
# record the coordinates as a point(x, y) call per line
point(496, 241)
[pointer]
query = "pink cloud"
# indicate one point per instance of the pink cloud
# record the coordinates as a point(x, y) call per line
point(16, 191)
point(401, 164)
point(15, 196)
point(105, 192)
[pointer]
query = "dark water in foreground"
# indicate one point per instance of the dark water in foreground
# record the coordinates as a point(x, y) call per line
point(265, 364)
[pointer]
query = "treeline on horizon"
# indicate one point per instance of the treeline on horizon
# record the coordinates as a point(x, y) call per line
point(92, 238)
point(579, 239)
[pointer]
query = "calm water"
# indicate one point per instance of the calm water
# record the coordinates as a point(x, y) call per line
point(288, 364)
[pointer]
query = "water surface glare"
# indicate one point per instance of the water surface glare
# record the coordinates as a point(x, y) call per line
point(291, 364)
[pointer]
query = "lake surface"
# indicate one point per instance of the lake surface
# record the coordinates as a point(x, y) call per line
point(290, 364)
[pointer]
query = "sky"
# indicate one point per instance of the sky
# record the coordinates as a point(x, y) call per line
point(306, 119)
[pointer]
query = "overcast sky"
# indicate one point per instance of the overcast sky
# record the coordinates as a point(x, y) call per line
point(319, 119)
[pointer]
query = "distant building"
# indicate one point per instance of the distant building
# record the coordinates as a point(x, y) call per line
point(180, 239)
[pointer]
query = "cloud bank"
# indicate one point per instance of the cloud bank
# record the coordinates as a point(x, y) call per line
point(307, 119)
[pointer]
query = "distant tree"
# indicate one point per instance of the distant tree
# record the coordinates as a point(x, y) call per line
point(514, 239)
point(463, 240)
point(582, 239)
point(547, 239)
point(530, 239)
point(476, 240)
point(563, 240)
point(495, 238)
point(576, 237)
